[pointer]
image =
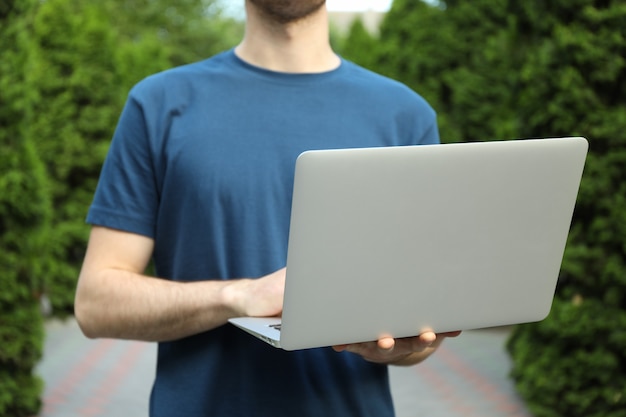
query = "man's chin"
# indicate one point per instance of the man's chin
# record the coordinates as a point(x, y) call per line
point(288, 11)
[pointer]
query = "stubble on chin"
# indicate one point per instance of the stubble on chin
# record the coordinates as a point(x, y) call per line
point(288, 11)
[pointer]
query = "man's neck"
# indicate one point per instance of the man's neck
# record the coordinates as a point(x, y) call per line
point(298, 47)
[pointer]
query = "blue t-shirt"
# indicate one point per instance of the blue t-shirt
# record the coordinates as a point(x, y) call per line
point(202, 161)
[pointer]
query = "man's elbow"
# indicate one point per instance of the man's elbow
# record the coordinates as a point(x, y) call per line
point(86, 316)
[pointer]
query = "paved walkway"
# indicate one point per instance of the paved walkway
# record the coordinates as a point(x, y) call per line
point(96, 378)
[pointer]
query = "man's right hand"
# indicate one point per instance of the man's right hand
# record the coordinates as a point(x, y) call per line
point(261, 297)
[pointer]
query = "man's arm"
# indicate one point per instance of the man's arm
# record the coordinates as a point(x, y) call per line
point(115, 299)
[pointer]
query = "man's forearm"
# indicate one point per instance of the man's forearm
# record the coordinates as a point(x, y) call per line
point(126, 305)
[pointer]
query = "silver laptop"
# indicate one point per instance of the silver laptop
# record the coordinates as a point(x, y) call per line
point(394, 241)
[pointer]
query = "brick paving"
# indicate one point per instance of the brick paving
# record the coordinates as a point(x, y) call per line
point(467, 377)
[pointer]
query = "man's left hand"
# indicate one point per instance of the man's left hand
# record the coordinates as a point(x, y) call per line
point(405, 351)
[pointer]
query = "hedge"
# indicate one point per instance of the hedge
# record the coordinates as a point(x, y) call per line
point(24, 214)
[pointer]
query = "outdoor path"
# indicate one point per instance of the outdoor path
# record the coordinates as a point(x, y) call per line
point(467, 377)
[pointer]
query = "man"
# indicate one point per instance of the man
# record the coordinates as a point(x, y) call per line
point(199, 178)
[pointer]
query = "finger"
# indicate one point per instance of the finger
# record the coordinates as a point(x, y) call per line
point(427, 338)
point(386, 344)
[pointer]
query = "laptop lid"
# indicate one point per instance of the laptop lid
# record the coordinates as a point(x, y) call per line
point(393, 241)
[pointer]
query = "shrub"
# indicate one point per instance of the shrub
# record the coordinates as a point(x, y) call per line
point(24, 212)
point(573, 363)
point(77, 106)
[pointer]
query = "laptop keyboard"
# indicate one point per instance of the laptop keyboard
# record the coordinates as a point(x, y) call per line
point(276, 326)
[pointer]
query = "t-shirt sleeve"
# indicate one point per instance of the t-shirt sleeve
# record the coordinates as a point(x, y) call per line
point(126, 197)
point(419, 118)
point(431, 133)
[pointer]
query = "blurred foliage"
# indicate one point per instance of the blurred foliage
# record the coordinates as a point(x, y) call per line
point(572, 364)
point(503, 69)
point(185, 30)
point(79, 96)
point(24, 217)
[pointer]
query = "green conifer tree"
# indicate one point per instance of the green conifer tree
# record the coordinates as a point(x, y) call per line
point(24, 212)
point(362, 45)
point(186, 30)
point(78, 103)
